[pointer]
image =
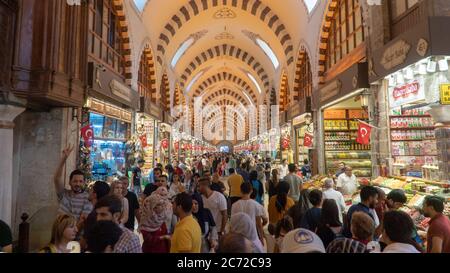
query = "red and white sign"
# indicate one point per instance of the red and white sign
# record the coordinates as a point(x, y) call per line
point(143, 141)
point(308, 140)
point(406, 93)
point(364, 131)
point(165, 143)
point(87, 133)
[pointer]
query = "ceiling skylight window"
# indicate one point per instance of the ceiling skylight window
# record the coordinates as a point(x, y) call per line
point(248, 98)
point(269, 52)
point(255, 82)
point(181, 50)
point(194, 80)
point(310, 4)
point(140, 4)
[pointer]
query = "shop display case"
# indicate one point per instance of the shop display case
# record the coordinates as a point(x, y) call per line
point(413, 143)
point(341, 126)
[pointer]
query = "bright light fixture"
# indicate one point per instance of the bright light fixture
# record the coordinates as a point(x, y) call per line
point(248, 98)
point(269, 52)
point(431, 66)
point(181, 50)
point(140, 4)
point(400, 78)
point(443, 64)
point(392, 82)
point(310, 4)
point(422, 69)
point(255, 82)
point(409, 73)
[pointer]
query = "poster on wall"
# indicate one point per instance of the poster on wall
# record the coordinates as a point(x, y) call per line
point(407, 93)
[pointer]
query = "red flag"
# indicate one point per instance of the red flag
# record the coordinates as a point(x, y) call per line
point(286, 143)
point(88, 135)
point(143, 141)
point(308, 141)
point(165, 143)
point(364, 131)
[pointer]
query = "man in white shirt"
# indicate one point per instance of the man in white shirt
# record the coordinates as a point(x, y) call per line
point(346, 182)
point(251, 208)
point(283, 169)
point(330, 193)
point(216, 203)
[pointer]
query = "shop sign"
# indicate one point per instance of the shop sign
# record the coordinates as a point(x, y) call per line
point(120, 90)
point(395, 55)
point(445, 94)
point(330, 90)
point(406, 93)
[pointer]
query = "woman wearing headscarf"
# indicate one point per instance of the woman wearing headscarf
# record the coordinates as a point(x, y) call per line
point(243, 225)
point(153, 225)
point(207, 224)
point(163, 193)
point(296, 212)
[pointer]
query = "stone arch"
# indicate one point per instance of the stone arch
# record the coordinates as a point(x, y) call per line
point(146, 59)
point(226, 50)
point(225, 76)
point(126, 42)
point(224, 92)
point(303, 69)
point(165, 93)
point(329, 14)
point(285, 96)
point(255, 7)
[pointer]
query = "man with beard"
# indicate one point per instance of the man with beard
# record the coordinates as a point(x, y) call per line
point(438, 234)
point(150, 188)
point(73, 202)
point(369, 199)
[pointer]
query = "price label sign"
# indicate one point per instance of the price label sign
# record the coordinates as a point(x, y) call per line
point(445, 94)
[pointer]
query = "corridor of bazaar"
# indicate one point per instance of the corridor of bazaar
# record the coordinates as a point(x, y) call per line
point(224, 126)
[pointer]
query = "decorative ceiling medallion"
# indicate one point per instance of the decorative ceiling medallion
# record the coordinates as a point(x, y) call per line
point(224, 13)
point(250, 35)
point(225, 36)
point(198, 35)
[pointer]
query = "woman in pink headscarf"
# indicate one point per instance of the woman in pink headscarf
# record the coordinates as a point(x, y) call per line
point(156, 210)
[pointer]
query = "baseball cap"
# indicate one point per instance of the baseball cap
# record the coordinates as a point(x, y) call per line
point(302, 241)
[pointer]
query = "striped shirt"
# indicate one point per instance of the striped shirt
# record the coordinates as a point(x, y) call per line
point(346, 245)
point(128, 242)
point(74, 204)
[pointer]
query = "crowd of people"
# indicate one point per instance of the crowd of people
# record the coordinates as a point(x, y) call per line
point(261, 208)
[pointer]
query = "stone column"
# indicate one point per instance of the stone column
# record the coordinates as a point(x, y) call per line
point(8, 113)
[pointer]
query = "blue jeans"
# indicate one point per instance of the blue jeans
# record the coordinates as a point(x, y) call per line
point(137, 189)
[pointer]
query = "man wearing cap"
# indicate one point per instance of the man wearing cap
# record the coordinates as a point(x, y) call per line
point(330, 193)
point(302, 241)
point(136, 177)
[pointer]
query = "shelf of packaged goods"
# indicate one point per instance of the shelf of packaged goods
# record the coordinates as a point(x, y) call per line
point(340, 140)
point(414, 155)
point(326, 151)
point(110, 139)
point(341, 130)
point(410, 116)
point(409, 178)
point(424, 139)
point(412, 128)
point(353, 167)
point(352, 119)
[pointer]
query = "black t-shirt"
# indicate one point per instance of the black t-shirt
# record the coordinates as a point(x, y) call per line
point(5, 235)
point(149, 189)
point(133, 205)
point(90, 222)
point(137, 176)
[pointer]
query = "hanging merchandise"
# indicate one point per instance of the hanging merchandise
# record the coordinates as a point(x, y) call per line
point(364, 131)
point(88, 135)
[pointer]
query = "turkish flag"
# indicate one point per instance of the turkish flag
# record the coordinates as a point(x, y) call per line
point(308, 141)
point(88, 135)
point(364, 131)
point(165, 143)
point(143, 141)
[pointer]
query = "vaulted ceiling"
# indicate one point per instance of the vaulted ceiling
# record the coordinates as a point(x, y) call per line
point(225, 52)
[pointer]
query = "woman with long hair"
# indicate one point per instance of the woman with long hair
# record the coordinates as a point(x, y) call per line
point(206, 221)
point(64, 231)
point(273, 183)
point(280, 203)
point(117, 189)
point(329, 225)
point(258, 189)
point(296, 212)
